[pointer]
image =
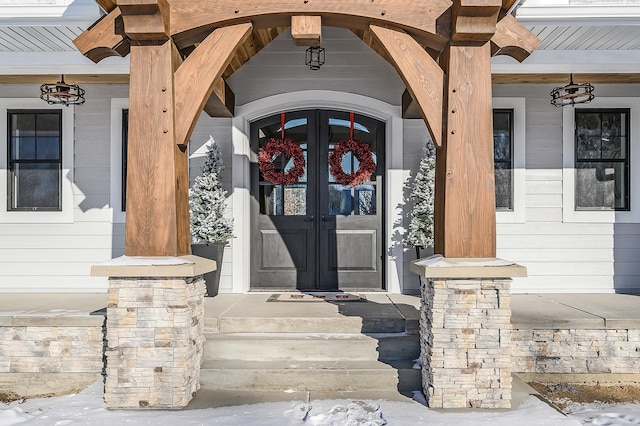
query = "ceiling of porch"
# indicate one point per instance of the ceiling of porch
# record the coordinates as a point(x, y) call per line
point(560, 42)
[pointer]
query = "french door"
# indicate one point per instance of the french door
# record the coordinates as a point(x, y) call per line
point(317, 234)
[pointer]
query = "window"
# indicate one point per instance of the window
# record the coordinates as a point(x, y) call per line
point(509, 130)
point(503, 158)
point(602, 159)
point(34, 160)
point(125, 148)
point(119, 137)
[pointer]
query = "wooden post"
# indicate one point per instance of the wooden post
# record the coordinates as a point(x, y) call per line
point(465, 195)
point(157, 172)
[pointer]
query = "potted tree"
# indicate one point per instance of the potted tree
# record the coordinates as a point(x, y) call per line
point(210, 229)
point(420, 233)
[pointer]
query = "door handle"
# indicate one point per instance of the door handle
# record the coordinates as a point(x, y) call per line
point(325, 218)
point(309, 219)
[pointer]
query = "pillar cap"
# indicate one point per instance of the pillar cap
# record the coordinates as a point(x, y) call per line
point(438, 266)
point(154, 267)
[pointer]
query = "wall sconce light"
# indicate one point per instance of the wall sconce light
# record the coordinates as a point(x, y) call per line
point(315, 58)
point(62, 93)
point(572, 93)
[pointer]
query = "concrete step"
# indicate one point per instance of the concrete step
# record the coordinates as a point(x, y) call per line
point(288, 324)
point(330, 376)
point(311, 346)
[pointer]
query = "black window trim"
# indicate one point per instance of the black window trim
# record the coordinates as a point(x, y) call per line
point(11, 162)
point(626, 161)
point(510, 161)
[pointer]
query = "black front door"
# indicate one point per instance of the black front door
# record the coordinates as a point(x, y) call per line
point(317, 234)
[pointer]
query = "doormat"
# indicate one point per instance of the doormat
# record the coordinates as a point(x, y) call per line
point(317, 297)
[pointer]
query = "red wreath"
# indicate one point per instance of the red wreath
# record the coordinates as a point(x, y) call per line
point(289, 149)
point(362, 152)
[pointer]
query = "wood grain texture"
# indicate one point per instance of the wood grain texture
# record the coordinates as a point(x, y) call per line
point(513, 39)
point(421, 74)
point(465, 198)
point(222, 101)
point(107, 5)
point(196, 77)
point(306, 30)
point(103, 39)
point(157, 183)
point(191, 17)
point(474, 20)
point(146, 19)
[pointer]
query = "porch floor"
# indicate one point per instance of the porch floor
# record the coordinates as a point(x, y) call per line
point(569, 310)
point(529, 311)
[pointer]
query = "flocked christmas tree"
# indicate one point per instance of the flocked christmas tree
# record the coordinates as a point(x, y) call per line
point(423, 193)
point(207, 202)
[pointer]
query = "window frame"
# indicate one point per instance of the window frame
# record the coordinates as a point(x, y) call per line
point(518, 106)
point(11, 163)
point(65, 214)
point(569, 213)
point(625, 161)
point(510, 112)
point(118, 105)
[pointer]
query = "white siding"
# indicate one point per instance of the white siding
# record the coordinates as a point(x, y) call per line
point(58, 256)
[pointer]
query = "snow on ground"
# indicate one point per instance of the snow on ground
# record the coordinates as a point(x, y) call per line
point(88, 408)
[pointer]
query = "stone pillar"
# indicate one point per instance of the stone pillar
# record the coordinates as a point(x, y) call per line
point(465, 331)
point(155, 331)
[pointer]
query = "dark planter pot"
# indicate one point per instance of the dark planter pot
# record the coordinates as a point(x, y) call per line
point(214, 252)
point(422, 252)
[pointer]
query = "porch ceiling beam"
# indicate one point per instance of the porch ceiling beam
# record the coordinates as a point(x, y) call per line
point(105, 38)
point(474, 20)
point(306, 30)
point(190, 19)
point(421, 74)
point(513, 39)
point(197, 76)
point(222, 101)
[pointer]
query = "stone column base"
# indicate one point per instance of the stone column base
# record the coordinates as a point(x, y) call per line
point(465, 336)
point(155, 335)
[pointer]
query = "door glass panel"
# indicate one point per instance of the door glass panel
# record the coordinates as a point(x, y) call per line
point(284, 200)
point(344, 199)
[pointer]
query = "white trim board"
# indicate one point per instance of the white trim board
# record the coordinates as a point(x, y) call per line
point(117, 105)
point(66, 214)
point(316, 99)
point(518, 105)
point(568, 164)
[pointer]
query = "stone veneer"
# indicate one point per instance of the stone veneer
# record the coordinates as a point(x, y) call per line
point(154, 341)
point(155, 329)
point(571, 351)
point(465, 331)
point(50, 355)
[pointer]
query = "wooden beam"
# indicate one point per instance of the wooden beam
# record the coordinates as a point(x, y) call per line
point(104, 38)
point(421, 74)
point(513, 39)
point(107, 5)
point(306, 30)
point(190, 19)
point(410, 107)
point(157, 170)
point(474, 20)
point(465, 196)
point(146, 19)
point(196, 77)
point(222, 101)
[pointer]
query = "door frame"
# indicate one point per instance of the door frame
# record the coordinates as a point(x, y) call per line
point(318, 99)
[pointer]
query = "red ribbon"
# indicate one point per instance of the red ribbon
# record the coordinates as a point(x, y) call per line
point(282, 119)
point(351, 125)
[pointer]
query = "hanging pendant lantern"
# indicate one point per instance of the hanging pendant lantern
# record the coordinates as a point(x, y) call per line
point(572, 94)
point(314, 58)
point(62, 93)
